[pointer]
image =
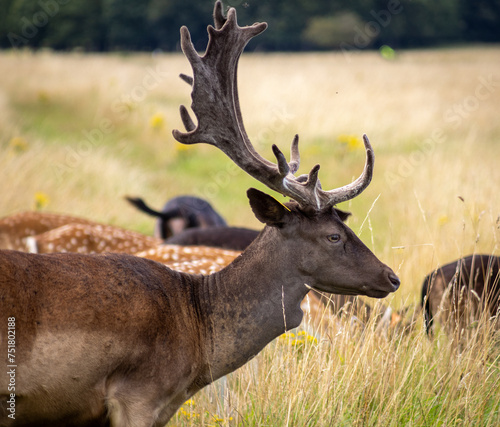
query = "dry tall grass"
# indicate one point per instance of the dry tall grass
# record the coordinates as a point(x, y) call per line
point(84, 130)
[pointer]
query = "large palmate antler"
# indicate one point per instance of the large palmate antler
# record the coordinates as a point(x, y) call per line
point(216, 106)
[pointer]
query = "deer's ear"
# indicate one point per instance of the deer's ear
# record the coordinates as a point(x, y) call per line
point(342, 214)
point(266, 208)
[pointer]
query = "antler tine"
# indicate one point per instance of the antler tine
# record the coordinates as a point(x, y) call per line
point(219, 18)
point(283, 166)
point(312, 179)
point(188, 79)
point(187, 121)
point(295, 156)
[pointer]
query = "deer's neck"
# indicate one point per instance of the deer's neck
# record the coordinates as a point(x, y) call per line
point(251, 302)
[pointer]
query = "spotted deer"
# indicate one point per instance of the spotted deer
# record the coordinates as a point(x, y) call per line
point(41, 232)
point(121, 340)
point(90, 239)
point(14, 229)
point(168, 254)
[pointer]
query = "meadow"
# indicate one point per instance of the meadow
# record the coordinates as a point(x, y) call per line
point(79, 132)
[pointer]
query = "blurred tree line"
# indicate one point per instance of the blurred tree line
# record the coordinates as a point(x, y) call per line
point(108, 25)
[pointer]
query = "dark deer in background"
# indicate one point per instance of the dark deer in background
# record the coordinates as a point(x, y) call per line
point(459, 292)
point(123, 341)
point(180, 213)
point(234, 238)
point(188, 220)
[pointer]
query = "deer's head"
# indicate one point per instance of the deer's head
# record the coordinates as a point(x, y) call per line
point(326, 252)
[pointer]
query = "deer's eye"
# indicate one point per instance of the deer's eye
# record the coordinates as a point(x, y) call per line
point(334, 238)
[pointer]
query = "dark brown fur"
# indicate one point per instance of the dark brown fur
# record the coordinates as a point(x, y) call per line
point(463, 289)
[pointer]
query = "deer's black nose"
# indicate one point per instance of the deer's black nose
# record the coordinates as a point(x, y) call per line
point(394, 280)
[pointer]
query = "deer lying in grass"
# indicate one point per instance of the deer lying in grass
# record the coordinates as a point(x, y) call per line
point(90, 239)
point(123, 341)
point(458, 293)
point(93, 238)
point(41, 232)
point(180, 213)
point(14, 229)
point(168, 254)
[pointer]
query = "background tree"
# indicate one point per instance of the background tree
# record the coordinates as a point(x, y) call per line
point(295, 24)
point(481, 20)
point(125, 23)
point(165, 17)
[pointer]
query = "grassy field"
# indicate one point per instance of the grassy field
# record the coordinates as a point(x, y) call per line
point(79, 132)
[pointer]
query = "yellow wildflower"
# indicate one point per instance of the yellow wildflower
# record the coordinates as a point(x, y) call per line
point(41, 201)
point(157, 122)
point(218, 420)
point(297, 340)
point(181, 147)
point(286, 336)
point(312, 340)
point(188, 414)
point(18, 144)
point(351, 142)
point(443, 219)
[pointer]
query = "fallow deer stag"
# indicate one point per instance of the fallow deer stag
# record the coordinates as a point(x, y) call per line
point(123, 341)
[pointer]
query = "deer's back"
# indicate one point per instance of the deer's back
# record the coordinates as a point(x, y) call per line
point(89, 321)
point(471, 280)
point(105, 292)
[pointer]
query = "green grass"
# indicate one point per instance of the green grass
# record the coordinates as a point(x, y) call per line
point(360, 378)
point(433, 198)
